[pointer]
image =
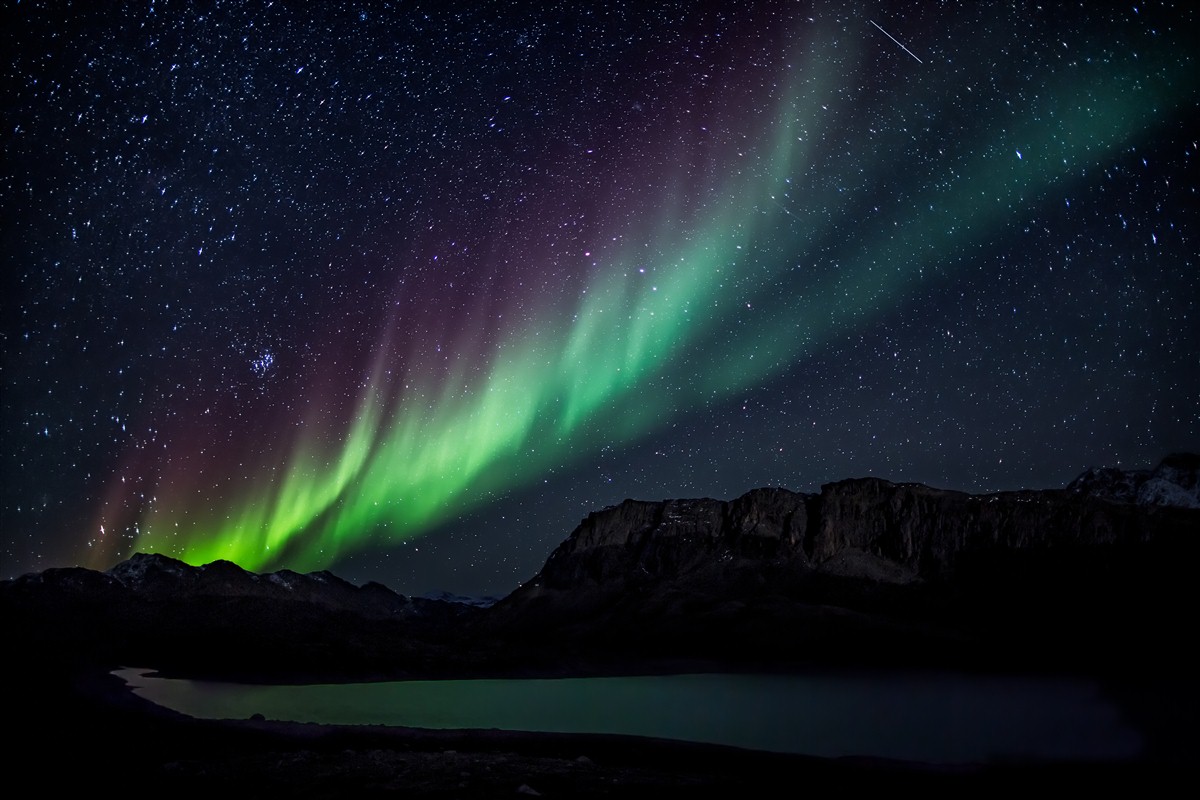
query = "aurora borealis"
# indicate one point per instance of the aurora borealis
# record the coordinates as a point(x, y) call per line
point(405, 290)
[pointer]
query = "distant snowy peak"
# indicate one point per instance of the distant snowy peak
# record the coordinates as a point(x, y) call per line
point(146, 568)
point(1174, 482)
point(155, 576)
point(1110, 483)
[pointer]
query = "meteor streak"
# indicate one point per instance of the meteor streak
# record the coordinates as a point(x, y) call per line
point(897, 41)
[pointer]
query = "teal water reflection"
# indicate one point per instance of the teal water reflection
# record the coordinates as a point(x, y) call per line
point(939, 718)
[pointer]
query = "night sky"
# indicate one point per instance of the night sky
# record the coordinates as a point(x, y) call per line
point(404, 290)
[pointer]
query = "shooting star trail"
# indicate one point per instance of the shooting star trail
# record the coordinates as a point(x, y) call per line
point(897, 41)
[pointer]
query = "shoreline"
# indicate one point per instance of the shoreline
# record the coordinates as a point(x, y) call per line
point(93, 722)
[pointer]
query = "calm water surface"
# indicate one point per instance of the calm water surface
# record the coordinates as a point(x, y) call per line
point(939, 718)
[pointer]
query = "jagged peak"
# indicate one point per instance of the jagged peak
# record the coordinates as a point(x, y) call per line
point(1175, 481)
point(138, 567)
point(155, 559)
point(224, 566)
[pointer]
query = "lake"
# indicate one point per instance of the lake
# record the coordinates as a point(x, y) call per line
point(943, 718)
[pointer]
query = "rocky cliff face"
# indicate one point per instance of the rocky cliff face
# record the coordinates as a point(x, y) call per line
point(865, 528)
point(640, 542)
point(863, 560)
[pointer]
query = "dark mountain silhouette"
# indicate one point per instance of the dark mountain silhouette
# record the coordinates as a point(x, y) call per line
point(865, 572)
point(220, 619)
point(870, 571)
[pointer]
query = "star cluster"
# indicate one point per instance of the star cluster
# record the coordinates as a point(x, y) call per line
point(404, 290)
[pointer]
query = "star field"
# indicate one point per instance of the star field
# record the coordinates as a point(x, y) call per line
point(405, 290)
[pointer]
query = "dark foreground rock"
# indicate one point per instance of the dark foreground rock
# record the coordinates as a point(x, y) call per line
point(82, 732)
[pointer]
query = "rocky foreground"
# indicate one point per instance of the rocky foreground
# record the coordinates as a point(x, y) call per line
point(1096, 578)
point(86, 734)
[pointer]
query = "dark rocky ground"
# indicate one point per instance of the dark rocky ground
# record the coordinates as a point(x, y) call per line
point(80, 729)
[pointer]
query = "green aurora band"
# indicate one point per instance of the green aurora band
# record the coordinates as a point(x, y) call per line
point(650, 339)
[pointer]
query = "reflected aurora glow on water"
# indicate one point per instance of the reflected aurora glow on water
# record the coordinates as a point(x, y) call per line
point(931, 717)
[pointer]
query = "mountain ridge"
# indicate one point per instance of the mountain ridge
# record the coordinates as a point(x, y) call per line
point(864, 571)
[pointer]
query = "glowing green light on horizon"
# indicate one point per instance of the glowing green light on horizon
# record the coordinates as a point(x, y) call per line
point(639, 350)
